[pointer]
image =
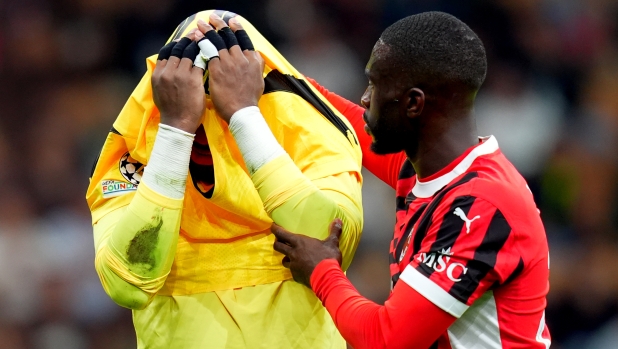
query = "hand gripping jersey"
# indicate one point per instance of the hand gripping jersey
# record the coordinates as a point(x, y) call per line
point(468, 241)
point(201, 272)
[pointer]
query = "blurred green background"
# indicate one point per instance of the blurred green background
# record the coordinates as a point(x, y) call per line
point(68, 66)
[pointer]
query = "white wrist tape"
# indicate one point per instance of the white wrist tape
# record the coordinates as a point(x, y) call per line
point(168, 167)
point(256, 142)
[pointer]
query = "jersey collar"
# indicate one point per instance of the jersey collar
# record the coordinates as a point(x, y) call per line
point(429, 187)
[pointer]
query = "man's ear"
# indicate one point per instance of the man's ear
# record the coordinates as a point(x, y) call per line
point(414, 102)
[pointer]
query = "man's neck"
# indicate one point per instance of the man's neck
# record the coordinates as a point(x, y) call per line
point(438, 148)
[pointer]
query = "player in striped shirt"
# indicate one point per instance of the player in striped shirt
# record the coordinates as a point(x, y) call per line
point(469, 256)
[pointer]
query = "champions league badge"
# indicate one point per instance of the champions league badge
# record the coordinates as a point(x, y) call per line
point(131, 169)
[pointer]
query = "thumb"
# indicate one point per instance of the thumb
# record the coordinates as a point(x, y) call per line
point(335, 231)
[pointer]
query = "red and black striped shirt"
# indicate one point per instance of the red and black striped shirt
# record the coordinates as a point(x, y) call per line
point(470, 240)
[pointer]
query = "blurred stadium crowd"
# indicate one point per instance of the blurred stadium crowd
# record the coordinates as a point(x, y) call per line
point(67, 67)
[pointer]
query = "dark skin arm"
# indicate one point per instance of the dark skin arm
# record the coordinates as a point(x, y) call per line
point(303, 253)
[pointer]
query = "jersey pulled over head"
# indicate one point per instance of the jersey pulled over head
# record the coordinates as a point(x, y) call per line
point(225, 240)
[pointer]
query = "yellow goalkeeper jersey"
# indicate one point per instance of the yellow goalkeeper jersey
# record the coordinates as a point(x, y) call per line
point(201, 272)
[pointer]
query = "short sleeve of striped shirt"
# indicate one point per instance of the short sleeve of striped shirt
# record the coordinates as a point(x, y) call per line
point(467, 249)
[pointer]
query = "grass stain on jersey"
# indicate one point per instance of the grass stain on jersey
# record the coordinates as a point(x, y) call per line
point(141, 249)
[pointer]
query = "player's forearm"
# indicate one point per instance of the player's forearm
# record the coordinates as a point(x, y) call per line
point(406, 320)
point(136, 248)
point(122, 292)
point(137, 245)
point(308, 207)
point(290, 198)
point(344, 303)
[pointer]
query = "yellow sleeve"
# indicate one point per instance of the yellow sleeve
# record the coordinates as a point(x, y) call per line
point(308, 207)
point(135, 247)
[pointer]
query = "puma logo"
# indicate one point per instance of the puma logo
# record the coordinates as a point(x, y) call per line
point(459, 212)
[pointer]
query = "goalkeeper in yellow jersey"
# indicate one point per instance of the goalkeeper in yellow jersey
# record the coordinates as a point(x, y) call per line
point(192, 175)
